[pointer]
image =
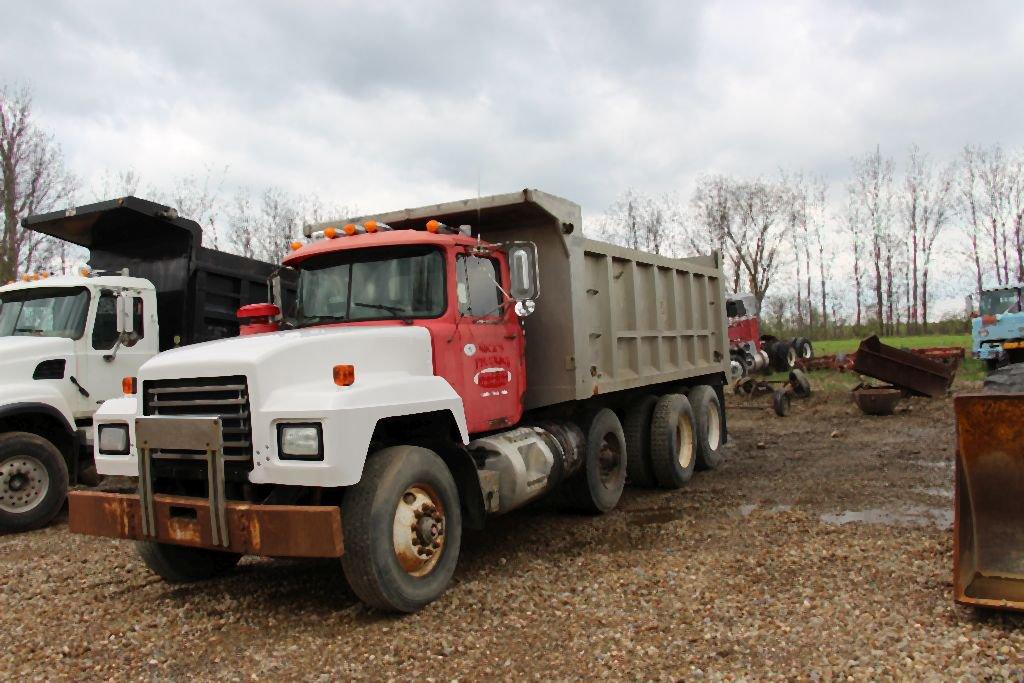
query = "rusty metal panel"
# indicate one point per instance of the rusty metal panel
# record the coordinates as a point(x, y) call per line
point(988, 521)
point(905, 369)
point(268, 530)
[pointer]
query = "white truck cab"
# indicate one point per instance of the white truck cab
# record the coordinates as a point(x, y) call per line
point(67, 342)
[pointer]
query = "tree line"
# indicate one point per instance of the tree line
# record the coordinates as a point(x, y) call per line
point(827, 260)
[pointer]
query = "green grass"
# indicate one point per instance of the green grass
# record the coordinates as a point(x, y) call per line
point(919, 341)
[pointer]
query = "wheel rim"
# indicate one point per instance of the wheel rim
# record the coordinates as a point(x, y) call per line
point(714, 427)
point(419, 529)
point(609, 461)
point(684, 437)
point(806, 351)
point(24, 483)
point(791, 356)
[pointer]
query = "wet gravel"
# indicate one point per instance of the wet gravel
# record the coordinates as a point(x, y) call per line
point(823, 553)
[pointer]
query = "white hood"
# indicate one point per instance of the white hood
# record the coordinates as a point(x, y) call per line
point(20, 355)
point(299, 356)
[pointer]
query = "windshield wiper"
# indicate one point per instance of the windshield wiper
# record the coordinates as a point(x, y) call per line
point(308, 320)
point(393, 310)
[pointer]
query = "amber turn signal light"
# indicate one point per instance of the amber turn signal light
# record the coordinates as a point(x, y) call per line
point(344, 375)
point(129, 385)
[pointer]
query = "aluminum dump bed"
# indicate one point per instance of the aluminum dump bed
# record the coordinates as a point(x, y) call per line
point(608, 318)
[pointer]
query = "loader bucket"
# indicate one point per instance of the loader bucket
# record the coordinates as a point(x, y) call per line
point(988, 521)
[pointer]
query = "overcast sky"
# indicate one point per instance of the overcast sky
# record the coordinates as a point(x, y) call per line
point(386, 105)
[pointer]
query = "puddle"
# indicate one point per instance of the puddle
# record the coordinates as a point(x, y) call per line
point(654, 516)
point(918, 515)
point(944, 464)
point(745, 510)
point(940, 491)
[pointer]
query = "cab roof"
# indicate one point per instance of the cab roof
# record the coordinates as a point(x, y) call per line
point(95, 282)
point(390, 238)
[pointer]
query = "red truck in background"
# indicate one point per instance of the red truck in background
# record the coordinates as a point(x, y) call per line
point(754, 353)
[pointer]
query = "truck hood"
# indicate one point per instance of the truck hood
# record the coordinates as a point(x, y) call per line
point(296, 357)
point(19, 356)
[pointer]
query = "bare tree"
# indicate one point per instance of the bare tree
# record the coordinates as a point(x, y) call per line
point(32, 179)
point(872, 184)
point(638, 221)
point(111, 185)
point(971, 218)
point(855, 229)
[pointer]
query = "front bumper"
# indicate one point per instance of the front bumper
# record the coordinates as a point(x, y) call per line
point(253, 529)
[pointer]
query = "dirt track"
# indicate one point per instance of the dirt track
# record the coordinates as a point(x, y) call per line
point(747, 572)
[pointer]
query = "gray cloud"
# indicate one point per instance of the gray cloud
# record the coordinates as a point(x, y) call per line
point(388, 104)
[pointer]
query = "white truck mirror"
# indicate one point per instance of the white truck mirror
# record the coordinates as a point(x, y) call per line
point(522, 265)
point(125, 314)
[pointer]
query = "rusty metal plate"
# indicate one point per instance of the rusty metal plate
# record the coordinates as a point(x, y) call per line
point(178, 433)
point(905, 369)
point(268, 530)
point(988, 521)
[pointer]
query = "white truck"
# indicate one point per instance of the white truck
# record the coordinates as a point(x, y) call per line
point(419, 386)
point(67, 342)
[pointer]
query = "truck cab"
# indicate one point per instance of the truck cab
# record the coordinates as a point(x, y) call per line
point(997, 328)
point(67, 342)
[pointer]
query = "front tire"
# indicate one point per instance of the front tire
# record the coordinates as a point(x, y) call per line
point(184, 564)
point(33, 481)
point(403, 528)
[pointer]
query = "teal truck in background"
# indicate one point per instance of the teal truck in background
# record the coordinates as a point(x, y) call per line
point(997, 327)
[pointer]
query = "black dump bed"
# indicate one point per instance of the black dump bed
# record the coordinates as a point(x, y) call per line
point(198, 289)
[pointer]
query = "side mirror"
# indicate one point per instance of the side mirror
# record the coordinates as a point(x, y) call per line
point(522, 266)
point(125, 314)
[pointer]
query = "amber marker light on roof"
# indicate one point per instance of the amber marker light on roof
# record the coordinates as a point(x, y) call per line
point(349, 229)
point(330, 233)
point(296, 245)
point(370, 226)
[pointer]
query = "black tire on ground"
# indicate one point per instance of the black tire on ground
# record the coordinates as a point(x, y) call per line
point(673, 442)
point(637, 429)
point(799, 381)
point(781, 402)
point(803, 348)
point(182, 564)
point(403, 489)
point(597, 487)
point(33, 481)
point(991, 365)
point(783, 356)
point(707, 426)
point(1008, 379)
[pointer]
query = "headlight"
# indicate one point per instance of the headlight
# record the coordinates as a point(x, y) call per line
point(113, 439)
point(300, 441)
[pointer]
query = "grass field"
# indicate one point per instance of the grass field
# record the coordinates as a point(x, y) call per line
point(920, 341)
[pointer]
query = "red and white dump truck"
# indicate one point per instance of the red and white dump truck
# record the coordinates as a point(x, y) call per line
point(425, 380)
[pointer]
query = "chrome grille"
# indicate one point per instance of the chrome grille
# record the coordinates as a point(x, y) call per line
point(224, 397)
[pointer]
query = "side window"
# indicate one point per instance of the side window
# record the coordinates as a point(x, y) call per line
point(104, 330)
point(138, 318)
point(478, 295)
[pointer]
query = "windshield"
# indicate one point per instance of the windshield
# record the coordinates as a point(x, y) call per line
point(999, 301)
point(39, 312)
point(372, 284)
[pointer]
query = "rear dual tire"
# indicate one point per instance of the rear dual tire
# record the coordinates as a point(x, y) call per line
point(597, 487)
point(673, 441)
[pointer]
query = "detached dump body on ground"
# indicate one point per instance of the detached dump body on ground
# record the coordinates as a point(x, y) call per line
point(444, 363)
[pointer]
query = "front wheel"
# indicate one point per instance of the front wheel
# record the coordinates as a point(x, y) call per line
point(403, 527)
point(33, 481)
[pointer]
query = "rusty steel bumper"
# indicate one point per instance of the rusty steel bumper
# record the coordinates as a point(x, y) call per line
point(253, 529)
point(988, 521)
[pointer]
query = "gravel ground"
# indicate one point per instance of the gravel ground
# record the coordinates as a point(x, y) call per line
point(821, 549)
